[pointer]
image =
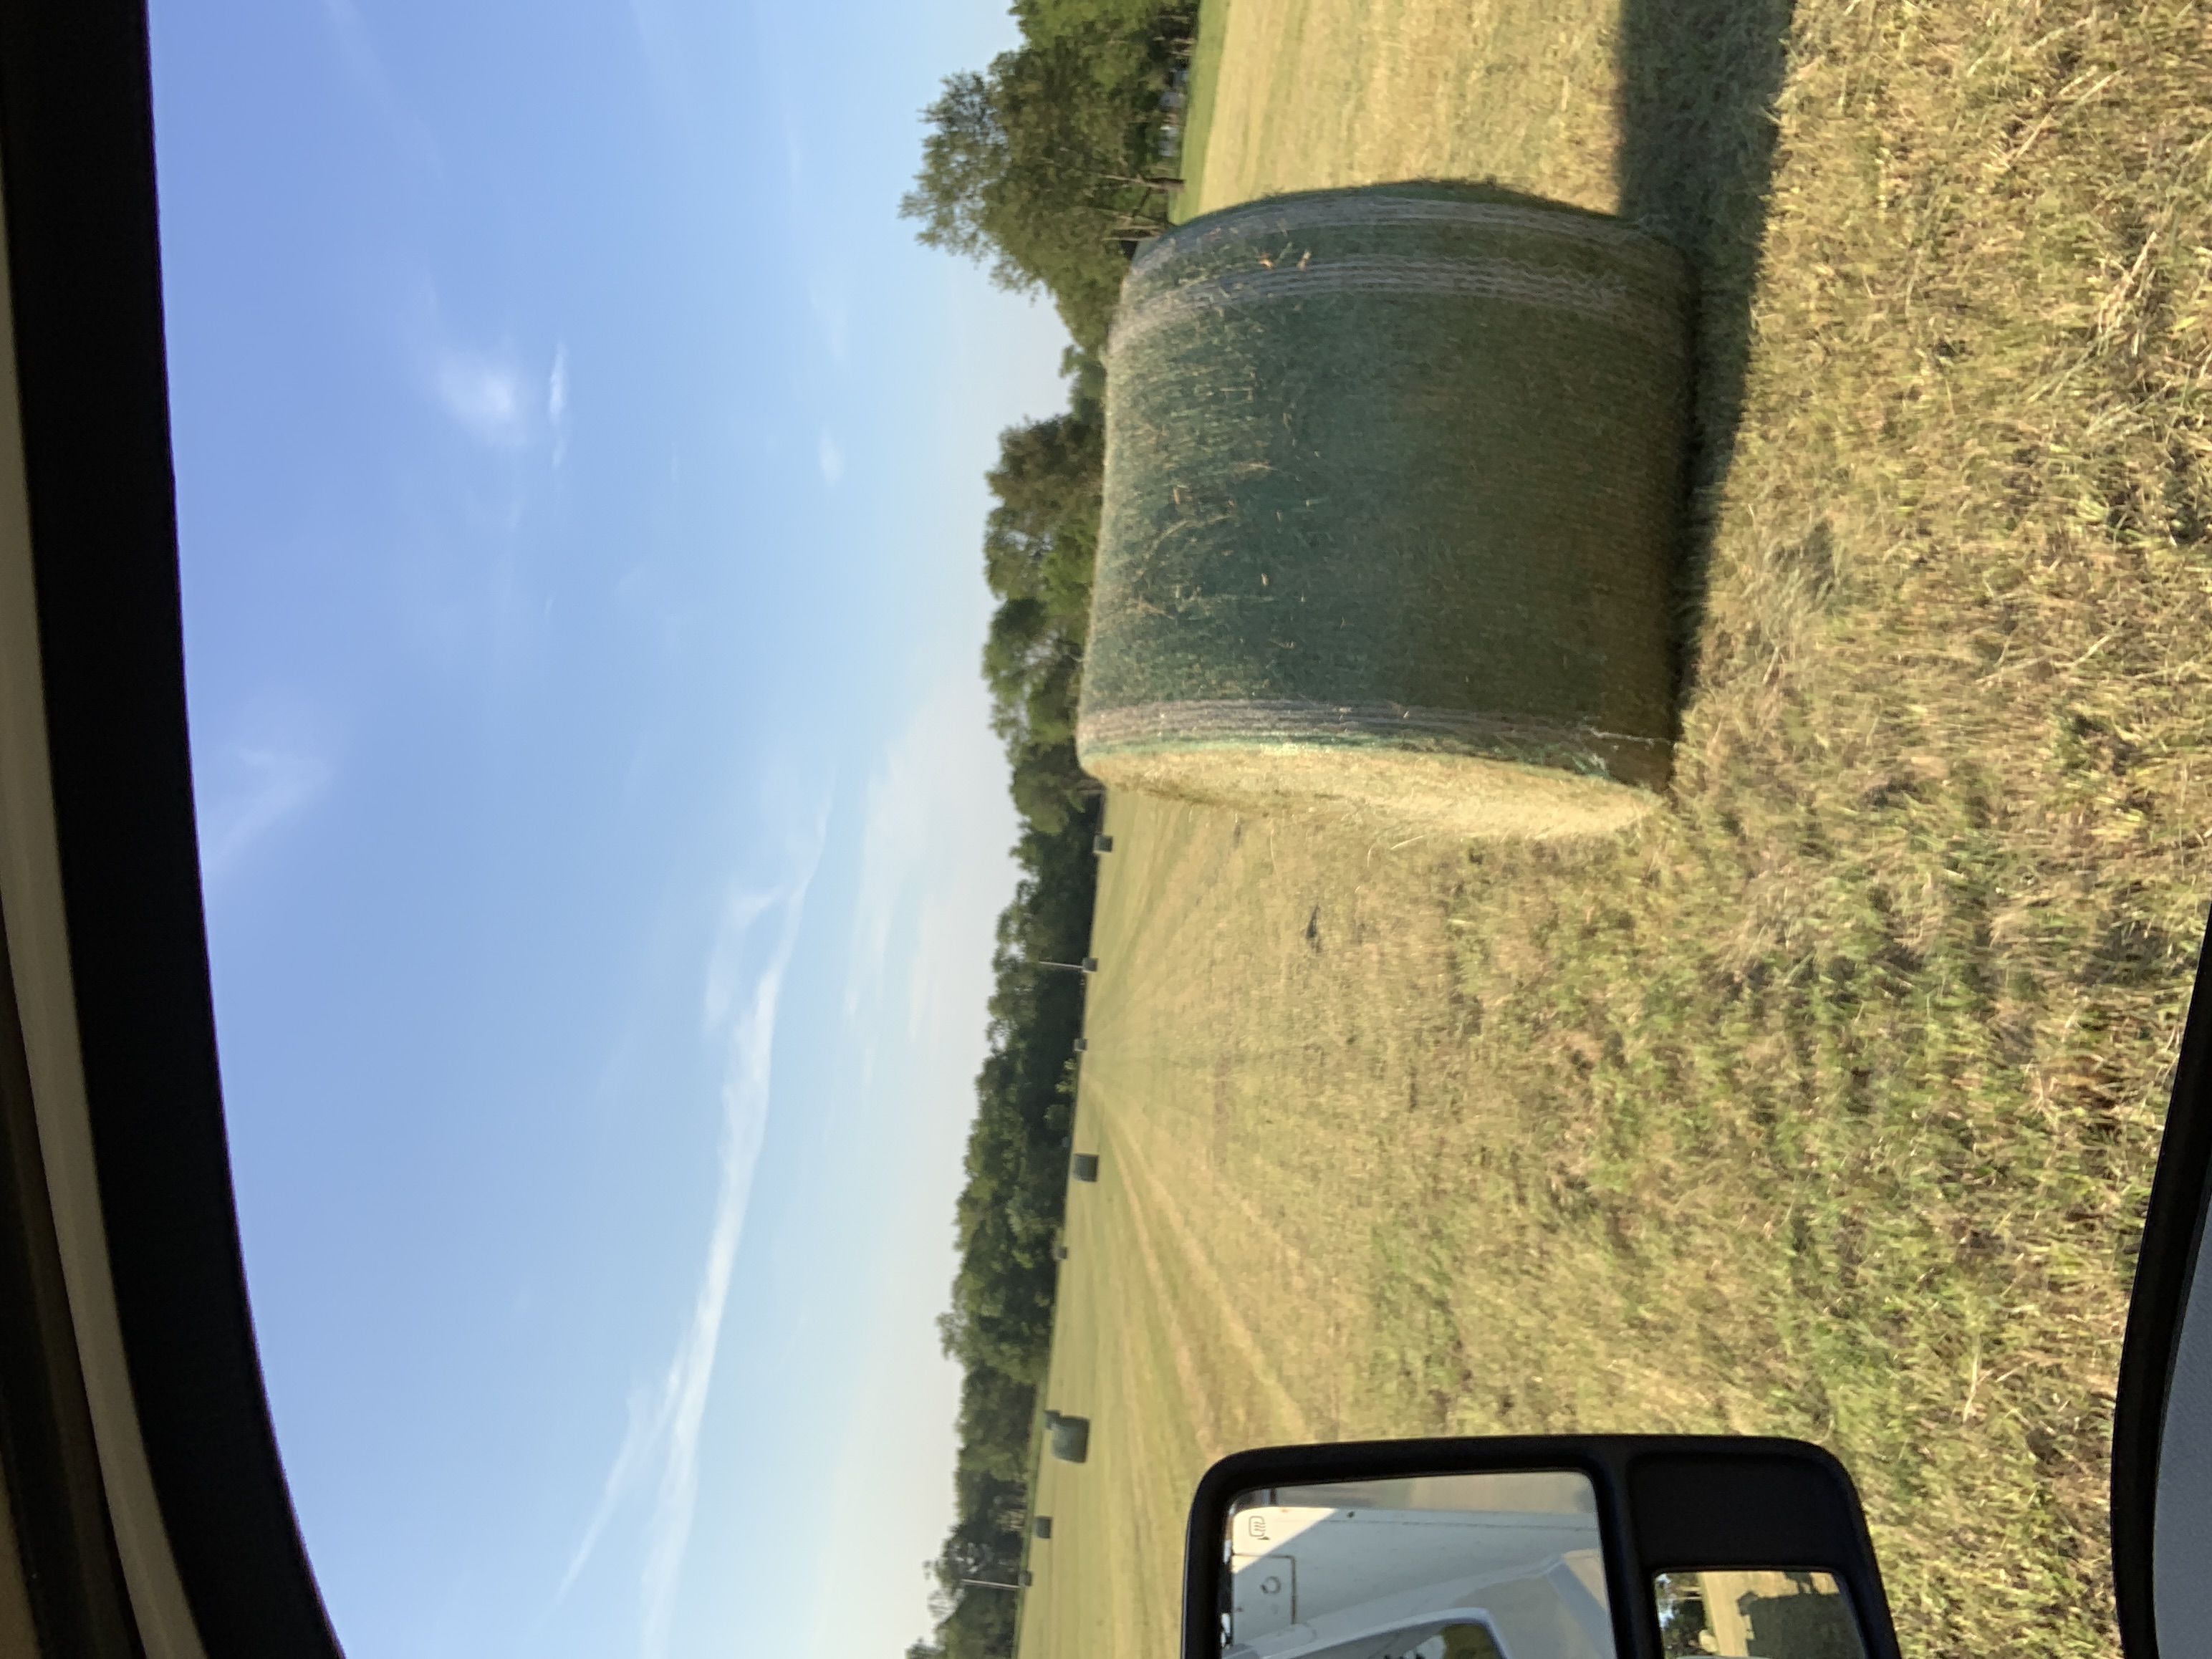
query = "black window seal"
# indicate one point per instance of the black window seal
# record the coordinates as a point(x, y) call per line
point(84, 264)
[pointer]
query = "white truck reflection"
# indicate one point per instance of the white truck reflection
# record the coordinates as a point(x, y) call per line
point(1346, 1580)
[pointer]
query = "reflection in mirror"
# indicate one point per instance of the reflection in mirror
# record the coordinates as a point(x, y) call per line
point(1464, 1567)
point(1769, 1614)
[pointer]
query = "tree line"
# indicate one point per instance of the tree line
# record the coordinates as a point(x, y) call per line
point(1049, 167)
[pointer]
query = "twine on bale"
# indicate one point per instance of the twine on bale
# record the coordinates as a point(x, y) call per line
point(1393, 489)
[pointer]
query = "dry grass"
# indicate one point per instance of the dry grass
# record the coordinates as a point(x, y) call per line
point(1262, 982)
point(1824, 1103)
point(1520, 91)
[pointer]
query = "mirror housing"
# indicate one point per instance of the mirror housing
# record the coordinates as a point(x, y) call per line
point(1666, 1513)
point(2161, 1495)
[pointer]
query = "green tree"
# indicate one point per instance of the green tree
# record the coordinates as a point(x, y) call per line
point(1045, 165)
point(1039, 545)
point(1008, 1220)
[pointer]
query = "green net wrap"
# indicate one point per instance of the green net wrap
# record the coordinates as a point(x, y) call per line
point(1392, 492)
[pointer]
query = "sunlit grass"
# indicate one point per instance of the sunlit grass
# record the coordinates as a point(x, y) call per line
point(1318, 92)
point(1826, 1103)
point(1198, 114)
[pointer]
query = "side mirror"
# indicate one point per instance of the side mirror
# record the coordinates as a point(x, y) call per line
point(2162, 1415)
point(1589, 1546)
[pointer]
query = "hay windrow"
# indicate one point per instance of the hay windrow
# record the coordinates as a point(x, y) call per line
point(1393, 484)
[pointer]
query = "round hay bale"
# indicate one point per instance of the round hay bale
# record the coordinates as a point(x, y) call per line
point(1071, 1438)
point(1393, 496)
point(1086, 1166)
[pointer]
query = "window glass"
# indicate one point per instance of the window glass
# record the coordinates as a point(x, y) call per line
point(580, 472)
point(1467, 1566)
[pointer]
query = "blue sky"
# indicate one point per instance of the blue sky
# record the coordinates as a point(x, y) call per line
point(580, 477)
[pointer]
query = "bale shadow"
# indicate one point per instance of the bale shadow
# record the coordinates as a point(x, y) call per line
point(1697, 87)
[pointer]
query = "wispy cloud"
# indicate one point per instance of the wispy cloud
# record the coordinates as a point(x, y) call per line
point(933, 873)
point(931, 860)
point(725, 962)
point(661, 1442)
point(833, 319)
point(273, 765)
point(485, 395)
point(557, 402)
point(661, 40)
point(831, 457)
point(277, 784)
point(367, 66)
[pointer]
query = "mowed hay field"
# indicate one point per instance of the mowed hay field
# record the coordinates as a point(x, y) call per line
point(1824, 1103)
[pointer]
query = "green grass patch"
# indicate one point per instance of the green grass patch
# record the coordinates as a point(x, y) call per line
point(1198, 113)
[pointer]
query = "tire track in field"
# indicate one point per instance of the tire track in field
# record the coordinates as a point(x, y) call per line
point(1169, 862)
point(1247, 1346)
point(1337, 1309)
point(1148, 1447)
point(1167, 1317)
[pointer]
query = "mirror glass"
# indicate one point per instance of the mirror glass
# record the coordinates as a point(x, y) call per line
point(1774, 1613)
point(1463, 1566)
